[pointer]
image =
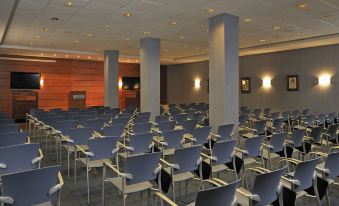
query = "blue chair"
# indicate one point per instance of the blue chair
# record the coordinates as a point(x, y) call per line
point(19, 158)
point(166, 126)
point(13, 138)
point(142, 128)
point(9, 128)
point(32, 187)
point(189, 125)
point(162, 118)
point(137, 144)
point(224, 132)
point(114, 130)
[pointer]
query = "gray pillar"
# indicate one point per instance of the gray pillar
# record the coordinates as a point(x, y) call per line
point(150, 76)
point(111, 78)
point(223, 70)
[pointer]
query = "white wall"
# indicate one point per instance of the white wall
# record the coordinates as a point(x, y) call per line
point(307, 63)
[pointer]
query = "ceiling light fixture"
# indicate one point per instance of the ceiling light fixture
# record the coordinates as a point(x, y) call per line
point(44, 28)
point(299, 33)
point(276, 28)
point(38, 37)
point(89, 35)
point(302, 5)
point(262, 40)
point(76, 41)
point(210, 10)
point(105, 27)
point(146, 33)
point(127, 39)
point(69, 4)
point(127, 14)
point(173, 23)
point(182, 37)
point(247, 20)
point(185, 46)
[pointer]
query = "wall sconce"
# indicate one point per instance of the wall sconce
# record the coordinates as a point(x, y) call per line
point(325, 80)
point(266, 82)
point(197, 83)
point(120, 83)
point(41, 82)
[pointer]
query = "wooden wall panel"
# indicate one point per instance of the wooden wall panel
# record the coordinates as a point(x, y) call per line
point(63, 76)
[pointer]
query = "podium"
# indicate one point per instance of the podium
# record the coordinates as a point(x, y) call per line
point(23, 102)
point(77, 99)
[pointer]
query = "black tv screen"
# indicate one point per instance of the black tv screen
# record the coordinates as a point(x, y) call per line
point(23, 80)
point(130, 83)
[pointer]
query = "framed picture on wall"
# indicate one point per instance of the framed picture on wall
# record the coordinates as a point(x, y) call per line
point(292, 83)
point(245, 85)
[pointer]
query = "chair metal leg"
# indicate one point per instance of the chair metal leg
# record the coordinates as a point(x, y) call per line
point(75, 167)
point(328, 201)
point(173, 191)
point(68, 161)
point(186, 187)
point(103, 186)
point(140, 198)
point(87, 179)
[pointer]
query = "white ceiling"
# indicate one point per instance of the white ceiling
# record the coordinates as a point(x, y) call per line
point(27, 33)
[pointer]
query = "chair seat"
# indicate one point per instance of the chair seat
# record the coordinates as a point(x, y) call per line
point(249, 135)
point(180, 177)
point(71, 147)
point(45, 204)
point(219, 168)
point(242, 199)
point(272, 154)
point(117, 182)
point(95, 163)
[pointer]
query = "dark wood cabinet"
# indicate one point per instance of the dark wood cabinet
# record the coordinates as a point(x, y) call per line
point(77, 99)
point(23, 102)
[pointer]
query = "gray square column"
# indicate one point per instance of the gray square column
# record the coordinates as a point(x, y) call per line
point(111, 78)
point(223, 70)
point(150, 76)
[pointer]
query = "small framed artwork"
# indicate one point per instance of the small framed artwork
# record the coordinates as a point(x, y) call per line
point(292, 83)
point(245, 85)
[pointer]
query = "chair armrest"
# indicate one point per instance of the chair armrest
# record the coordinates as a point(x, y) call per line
point(240, 150)
point(121, 174)
point(215, 135)
point(6, 200)
point(256, 169)
point(244, 195)
point(98, 134)
point(3, 166)
point(221, 182)
point(125, 147)
point(290, 183)
point(175, 166)
point(268, 146)
point(190, 138)
point(128, 132)
point(334, 148)
point(321, 154)
point(28, 140)
point(39, 158)
point(91, 154)
point(165, 198)
point(214, 158)
point(57, 187)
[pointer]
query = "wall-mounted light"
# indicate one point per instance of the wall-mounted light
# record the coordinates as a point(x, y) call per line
point(266, 82)
point(120, 83)
point(197, 83)
point(325, 80)
point(41, 82)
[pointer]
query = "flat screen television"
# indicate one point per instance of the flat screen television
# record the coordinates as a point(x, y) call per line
point(24, 80)
point(130, 83)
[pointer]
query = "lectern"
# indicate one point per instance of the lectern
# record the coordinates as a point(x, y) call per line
point(77, 99)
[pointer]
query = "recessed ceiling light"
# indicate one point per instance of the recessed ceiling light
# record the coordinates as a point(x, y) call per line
point(69, 4)
point(302, 5)
point(185, 46)
point(173, 23)
point(105, 27)
point(54, 19)
point(127, 39)
point(146, 33)
point(210, 10)
point(206, 30)
point(182, 37)
point(328, 16)
point(247, 20)
point(44, 28)
point(299, 33)
point(89, 35)
point(276, 28)
point(76, 41)
point(127, 14)
point(38, 37)
point(262, 40)
point(54, 55)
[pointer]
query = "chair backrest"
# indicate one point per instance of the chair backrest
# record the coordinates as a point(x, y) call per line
point(145, 114)
point(285, 115)
point(223, 151)
point(295, 114)
point(256, 113)
point(180, 118)
point(332, 165)
point(275, 115)
point(266, 186)
point(189, 125)
point(9, 128)
point(305, 112)
point(187, 159)
point(97, 124)
point(142, 128)
point(316, 134)
point(114, 130)
point(162, 118)
point(225, 132)
point(82, 119)
point(297, 137)
point(142, 167)
point(267, 111)
point(13, 138)
point(6, 121)
point(166, 126)
point(260, 126)
point(120, 120)
point(30, 187)
point(65, 126)
point(277, 124)
point(18, 157)
point(141, 143)
point(198, 116)
point(80, 136)
point(304, 172)
point(309, 120)
point(218, 196)
point(141, 119)
point(243, 120)
point(102, 147)
point(126, 115)
point(332, 131)
point(201, 135)
point(173, 138)
point(253, 146)
point(277, 141)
